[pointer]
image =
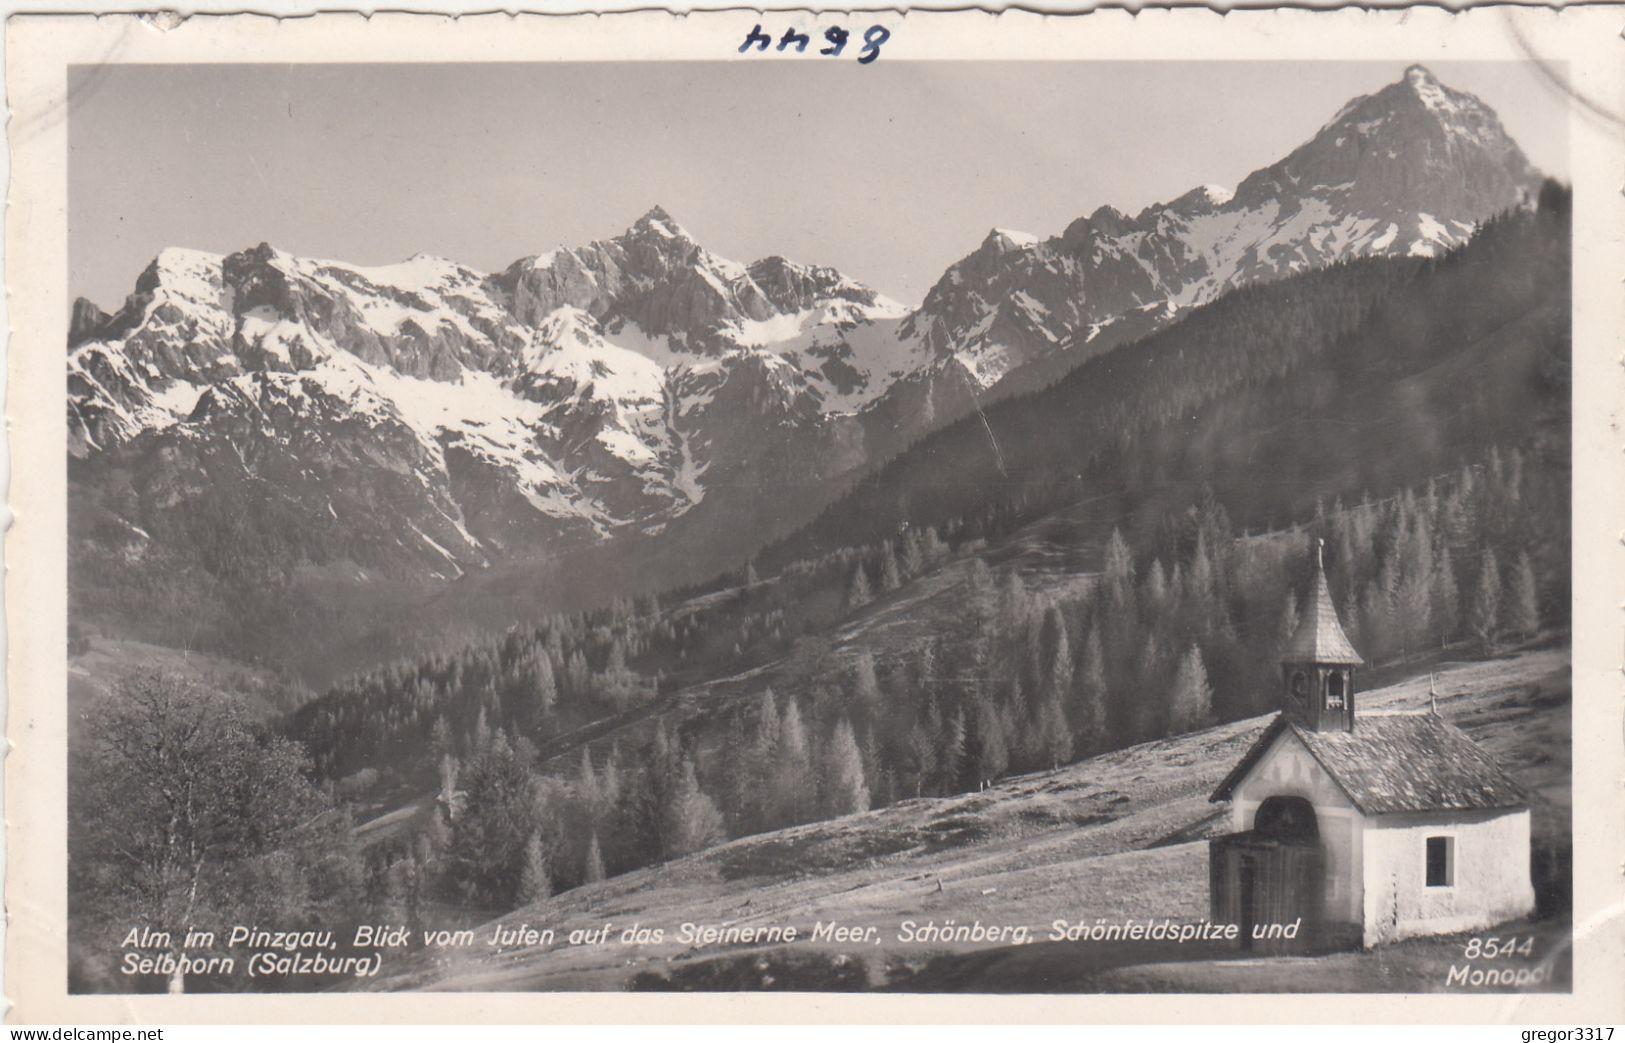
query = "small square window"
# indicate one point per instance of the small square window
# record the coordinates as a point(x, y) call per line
point(1441, 857)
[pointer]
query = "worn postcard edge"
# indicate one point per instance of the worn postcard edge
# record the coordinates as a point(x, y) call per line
point(1584, 42)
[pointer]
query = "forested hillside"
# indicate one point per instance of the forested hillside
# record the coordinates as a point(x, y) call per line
point(1366, 375)
point(1176, 635)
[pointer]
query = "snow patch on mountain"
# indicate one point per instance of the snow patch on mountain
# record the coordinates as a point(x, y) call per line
point(605, 387)
point(1010, 239)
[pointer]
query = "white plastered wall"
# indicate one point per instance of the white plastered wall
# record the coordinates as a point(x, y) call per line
point(1490, 878)
point(1288, 769)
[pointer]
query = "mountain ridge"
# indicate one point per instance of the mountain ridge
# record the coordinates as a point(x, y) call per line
point(420, 420)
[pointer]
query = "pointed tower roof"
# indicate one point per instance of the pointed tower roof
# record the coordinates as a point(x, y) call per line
point(1319, 637)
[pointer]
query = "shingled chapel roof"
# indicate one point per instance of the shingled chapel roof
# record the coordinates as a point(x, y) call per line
point(1396, 762)
point(1319, 637)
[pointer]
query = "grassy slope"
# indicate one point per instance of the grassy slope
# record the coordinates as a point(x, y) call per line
point(1116, 836)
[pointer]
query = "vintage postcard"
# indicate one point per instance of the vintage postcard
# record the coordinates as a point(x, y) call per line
point(1006, 515)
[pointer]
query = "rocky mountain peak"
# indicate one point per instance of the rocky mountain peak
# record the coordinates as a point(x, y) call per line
point(1202, 199)
point(1003, 240)
point(1414, 145)
point(1412, 168)
point(85, 321)
point(1420, 76)
point(656, 221)
point(793, 287)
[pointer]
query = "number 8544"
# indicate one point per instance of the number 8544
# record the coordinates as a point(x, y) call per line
point(1495, 948)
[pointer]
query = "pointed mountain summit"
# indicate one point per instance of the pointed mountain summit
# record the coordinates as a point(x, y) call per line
point(1415, 146)
point(1411, 169)
point(657, 221)
point(656, 275)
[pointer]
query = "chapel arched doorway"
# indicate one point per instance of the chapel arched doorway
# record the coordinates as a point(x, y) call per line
point(1272, 876)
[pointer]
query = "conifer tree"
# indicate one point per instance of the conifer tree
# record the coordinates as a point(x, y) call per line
point(919, 768)
point(737, 785)
point(1289, 622)
point(643, 831)
point(987, 752)
point(693, 821)
point(1053, 743)
point(615, 665)
point(1413, 603)
point(793, 776)
point(577, 673)
point(440, 737)
point(857, 591)
point(1088, 709)
point(759, 808)
point(489, 835)
point(1376, 621)
point(1343, 565)
point(1445, 613)
point(546, 690)
point(1191, 703)
point(1200, 593)
point(535, 876)
point(951, 763)
point(913, 554)
point(447, 797)
point(890, 575)
point(845, 788)
point(592, 869)
point(436, 836)
point(877, 774)
point(1056, 652)
point(1119, 567)
point(1141, 718)
point(1156, 586)
point(1523, 601)
point(609, 782)
point(1484, 617)
point(1349, 613)
point(865, 686)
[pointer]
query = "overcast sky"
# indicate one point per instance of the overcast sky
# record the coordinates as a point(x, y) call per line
point(890, 171)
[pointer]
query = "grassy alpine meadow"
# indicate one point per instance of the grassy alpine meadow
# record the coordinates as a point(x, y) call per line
point(1109, 839)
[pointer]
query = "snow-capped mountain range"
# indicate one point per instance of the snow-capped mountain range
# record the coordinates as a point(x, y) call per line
point(1409, 170)
point(423, 419)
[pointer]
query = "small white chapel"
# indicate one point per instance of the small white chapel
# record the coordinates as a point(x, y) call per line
point(1364, 827)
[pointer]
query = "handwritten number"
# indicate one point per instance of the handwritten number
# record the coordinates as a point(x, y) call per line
point(872, 39)
point(837, 38)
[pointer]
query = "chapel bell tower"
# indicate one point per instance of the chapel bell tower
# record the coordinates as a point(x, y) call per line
point(1317, 665)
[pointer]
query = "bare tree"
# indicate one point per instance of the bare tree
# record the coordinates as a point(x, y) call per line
point(179, 791)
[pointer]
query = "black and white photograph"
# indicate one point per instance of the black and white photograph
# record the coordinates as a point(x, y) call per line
point(816, 521)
